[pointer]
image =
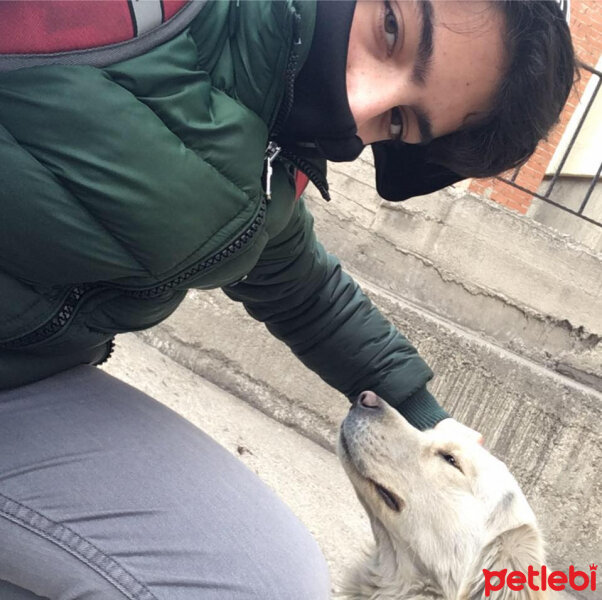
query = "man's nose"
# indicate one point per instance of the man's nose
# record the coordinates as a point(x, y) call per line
point(367, 107)
point(376, 89)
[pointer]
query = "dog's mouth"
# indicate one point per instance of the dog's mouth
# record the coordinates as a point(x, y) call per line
point(344, 444)
point(391, 500)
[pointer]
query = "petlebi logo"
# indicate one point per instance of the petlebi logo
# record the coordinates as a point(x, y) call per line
point(540, 580)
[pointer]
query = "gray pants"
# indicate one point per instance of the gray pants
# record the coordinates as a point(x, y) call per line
point(106, 494)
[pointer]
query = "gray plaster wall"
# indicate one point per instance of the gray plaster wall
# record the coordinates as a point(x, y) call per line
point(515, 282)
point(571, 192)
point(507, 312)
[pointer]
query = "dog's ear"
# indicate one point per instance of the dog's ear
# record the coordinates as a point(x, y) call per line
point(512, 550)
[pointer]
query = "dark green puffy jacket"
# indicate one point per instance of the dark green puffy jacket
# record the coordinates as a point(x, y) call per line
point(122, 187)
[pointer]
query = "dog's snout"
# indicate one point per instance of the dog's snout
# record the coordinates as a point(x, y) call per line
point(369, 400)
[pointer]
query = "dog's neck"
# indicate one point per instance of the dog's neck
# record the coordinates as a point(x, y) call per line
point(390, 574)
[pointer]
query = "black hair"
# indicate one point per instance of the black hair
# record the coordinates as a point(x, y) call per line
point(539, 76)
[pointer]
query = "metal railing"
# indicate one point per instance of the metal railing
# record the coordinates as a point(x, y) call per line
point(546, 196)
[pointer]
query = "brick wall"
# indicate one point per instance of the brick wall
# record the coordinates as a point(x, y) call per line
point(586, 29)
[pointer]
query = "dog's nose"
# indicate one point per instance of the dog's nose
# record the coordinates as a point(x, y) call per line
point(369, 400)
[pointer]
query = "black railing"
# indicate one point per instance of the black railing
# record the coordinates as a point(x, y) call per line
point(546, 195)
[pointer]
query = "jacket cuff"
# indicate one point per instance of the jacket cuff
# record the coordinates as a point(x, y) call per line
point(422, 410)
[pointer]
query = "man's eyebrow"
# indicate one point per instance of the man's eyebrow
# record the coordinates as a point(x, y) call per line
point(425, 45)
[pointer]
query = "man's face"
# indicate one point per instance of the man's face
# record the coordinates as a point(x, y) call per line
point(418, 69)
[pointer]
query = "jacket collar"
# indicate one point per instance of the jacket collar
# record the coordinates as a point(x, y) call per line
point(320, 120)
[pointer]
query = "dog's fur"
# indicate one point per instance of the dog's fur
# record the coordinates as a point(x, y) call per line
point(436, 525)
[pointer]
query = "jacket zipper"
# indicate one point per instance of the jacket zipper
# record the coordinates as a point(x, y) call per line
point(273, 149)
point(289, 87)
point(65, 313)
point(60, 319)
point(238, 244)
point(313, 174)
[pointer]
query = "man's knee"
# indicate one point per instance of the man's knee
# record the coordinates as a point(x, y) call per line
point(299, 574)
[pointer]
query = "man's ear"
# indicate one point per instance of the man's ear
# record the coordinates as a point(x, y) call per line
point(512, 550)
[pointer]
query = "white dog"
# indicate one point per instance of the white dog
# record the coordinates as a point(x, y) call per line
point(442, 510)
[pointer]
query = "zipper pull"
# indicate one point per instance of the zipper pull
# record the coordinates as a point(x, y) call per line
point(296, 29)
point(272, 151)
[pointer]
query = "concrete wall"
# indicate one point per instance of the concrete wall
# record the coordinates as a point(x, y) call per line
point(507, 313)
point(570, 192)
point(515, 282)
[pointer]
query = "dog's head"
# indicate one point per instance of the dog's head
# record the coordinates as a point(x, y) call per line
point(442, 509)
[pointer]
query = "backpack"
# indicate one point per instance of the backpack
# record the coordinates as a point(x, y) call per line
point(98, 34)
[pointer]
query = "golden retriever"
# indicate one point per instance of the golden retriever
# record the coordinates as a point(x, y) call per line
point(442, 510)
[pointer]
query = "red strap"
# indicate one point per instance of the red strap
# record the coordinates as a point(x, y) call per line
point(48, 26)
point(301, 181)
point(171, 7)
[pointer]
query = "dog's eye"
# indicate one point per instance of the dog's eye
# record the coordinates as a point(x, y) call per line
point(450, 459)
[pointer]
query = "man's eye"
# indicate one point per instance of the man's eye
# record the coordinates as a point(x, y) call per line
point(396, 126)
point(390, 27)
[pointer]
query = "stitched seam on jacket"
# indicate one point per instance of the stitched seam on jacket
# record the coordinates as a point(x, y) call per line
point(224, 177)
point(198, 153)
point(77, 546)
point(63, 184)
point(31, 307)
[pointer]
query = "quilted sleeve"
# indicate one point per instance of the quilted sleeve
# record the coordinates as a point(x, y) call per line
point(305, 299)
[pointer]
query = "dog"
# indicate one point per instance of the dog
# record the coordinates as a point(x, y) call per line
point(441, 507)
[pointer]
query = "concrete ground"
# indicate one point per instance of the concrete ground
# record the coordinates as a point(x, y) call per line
point(305, 475)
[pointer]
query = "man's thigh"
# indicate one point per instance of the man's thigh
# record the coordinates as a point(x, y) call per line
point(8, 591)
point(107, 494)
